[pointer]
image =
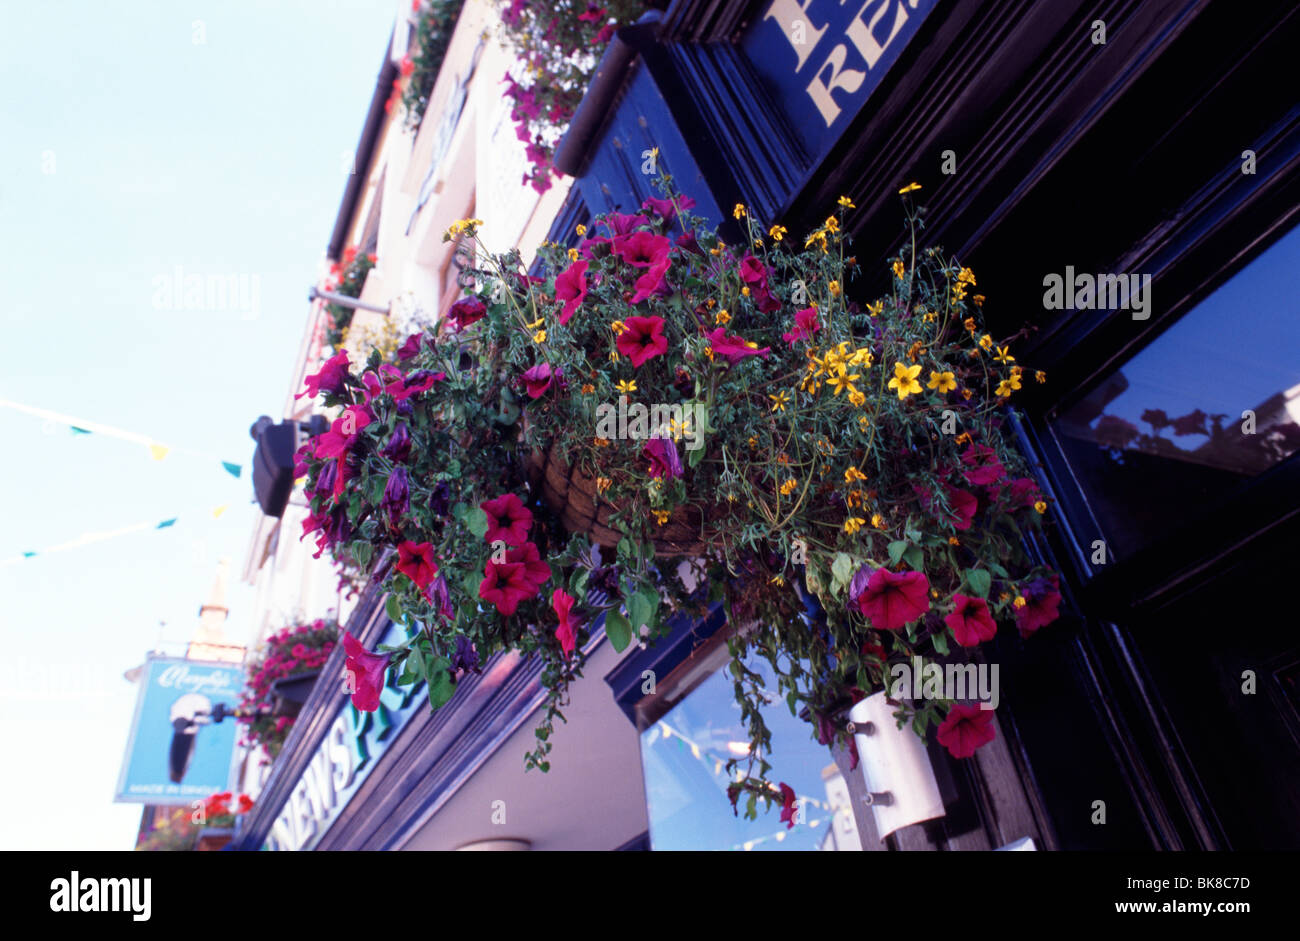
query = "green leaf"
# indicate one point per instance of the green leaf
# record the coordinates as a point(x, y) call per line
point(914, 556)
point(477, 521)
point(940, 643)
point(791, 699)
point(441, 686)
point(980, 581)
point(896, 550)
point(393, 608)
point(842, 568)
point(695, 455)
point(641, 608)
point(618, 630)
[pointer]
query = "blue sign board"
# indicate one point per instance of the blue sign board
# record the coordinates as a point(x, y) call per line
point(821, 59)
point(183, 736)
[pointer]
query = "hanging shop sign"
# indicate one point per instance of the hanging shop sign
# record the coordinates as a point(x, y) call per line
point(182, 738)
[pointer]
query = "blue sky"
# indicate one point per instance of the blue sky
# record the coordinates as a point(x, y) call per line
point(131, 147)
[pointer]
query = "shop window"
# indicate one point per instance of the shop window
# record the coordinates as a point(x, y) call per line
point(684, 753)
point(1212, 403)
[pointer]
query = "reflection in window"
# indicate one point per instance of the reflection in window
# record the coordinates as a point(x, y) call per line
point(1212, 402)
point(684, 754)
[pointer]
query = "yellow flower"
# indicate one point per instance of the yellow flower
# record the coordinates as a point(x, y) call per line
point(841, 381)
point(1041, 507)
point(776, 580)
point(818, 237)
point(857, 398)
point(966, 276)
point(539, 336)
point(966, 394)
point(1020, 601)
point(853, 524)
point(613, 356)
point(875, 309)
point(969, 324)
point(536, 323)
point(930, 317)
point(777, 232)
point(460, 226)
point(964, 438)
point(877, 521)
point(745, 290)
point(788, 487)
point(846, 202)
point(753, 442)
point(625, 386)
point(899, 270)
point(600, 442)
point(739, 211)
point(861, 357)
point(986, 342)
point(1004, 355)
point(853, 474)
point(602, 484)
point(708, 351)
point(954, 541)
point(905, 380)
point(1007, 386)
point(581, 229)
point(978, 299)
point(831, 224)
point(834, 288)
point(1040, 376)
point(854, 498)
point(618, 327)
point(864, 422)
point(779, 401)
point(661, 516)
point(942, 381)
point(573, 254)
point(909, 188)
point(588, 388)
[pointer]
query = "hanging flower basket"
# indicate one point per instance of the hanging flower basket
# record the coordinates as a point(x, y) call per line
point(716, 415)
point(279, 681)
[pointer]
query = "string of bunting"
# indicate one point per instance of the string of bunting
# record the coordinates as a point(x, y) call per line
point(79, 426)
point(89, 538)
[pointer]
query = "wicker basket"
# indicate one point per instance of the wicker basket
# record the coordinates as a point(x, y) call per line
point(572, 495)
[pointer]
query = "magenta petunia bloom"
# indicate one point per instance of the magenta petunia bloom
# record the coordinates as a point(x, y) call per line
point(789, 810)
point(422, 380)
point(1021, 492)
point(970, 621)
point(752, 271)
point(619, 224)
point(734, 348)
point(330, 378)
point(415, 561)
point(365, 673)
point(665, 209)
point(537, 380)
point(805, 325)
point(642, 249)
point(894, 599)
point(411, 347)
point(535, 570)
point(343, 432)
point(466, 311)
point(1042, 607)
point(508, 519)
point(965, 729)
point(567, 631)
point(964, 505)
point(505, 585)
point(651, 281)
point(983, 466)
point(664, 460)
point(643, 339)
point(571, 287)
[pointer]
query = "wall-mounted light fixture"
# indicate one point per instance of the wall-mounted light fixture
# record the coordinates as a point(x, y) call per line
point(901, 787)
point(496, 846)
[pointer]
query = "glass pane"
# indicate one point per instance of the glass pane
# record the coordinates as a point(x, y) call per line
point(1173, 428)
point(684, 756)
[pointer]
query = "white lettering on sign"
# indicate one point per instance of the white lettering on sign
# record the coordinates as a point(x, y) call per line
point(178, 676)
point(863, 32)
point(314, 802)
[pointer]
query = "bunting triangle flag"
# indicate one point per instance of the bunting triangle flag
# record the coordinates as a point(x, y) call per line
point(28, 555)
point(232, 469)
point(79, 431)
point(216, 513)
point(158, 451)
point(165, 523)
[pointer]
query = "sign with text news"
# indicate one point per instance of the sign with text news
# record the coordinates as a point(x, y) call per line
point(821, 59)
point(182, 738)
